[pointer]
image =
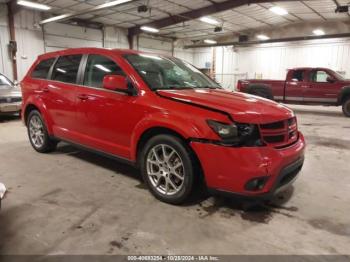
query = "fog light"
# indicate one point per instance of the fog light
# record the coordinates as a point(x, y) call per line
point(255, 184)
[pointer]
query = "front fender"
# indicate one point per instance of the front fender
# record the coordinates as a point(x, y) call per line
point(41, 106)
point(180, 125)
point(344, 92)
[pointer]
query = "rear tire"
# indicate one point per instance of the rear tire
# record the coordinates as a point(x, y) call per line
point(260, 90)
point(167, 167)
point(346, 107)
point(261, 93)
point(38, 135)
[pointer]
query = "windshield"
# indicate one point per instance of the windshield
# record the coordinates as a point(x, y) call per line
point(169, 73)
point(5, 82)
point(338, 76)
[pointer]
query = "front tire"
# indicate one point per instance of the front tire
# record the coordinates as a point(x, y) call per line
point(346, 107)
point(38, 135)
point(167, 167)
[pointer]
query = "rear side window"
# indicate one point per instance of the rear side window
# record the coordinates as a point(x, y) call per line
point(66, 69)
point(97, 67)
point(298, 75)
point(42, 69)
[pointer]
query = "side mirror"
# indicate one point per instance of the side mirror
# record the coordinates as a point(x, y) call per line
point(117, 83)
point(330, 79)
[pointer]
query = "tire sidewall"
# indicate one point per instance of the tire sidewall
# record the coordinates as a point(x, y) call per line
point(346, 105)
point(185, 155)
point(46, 145)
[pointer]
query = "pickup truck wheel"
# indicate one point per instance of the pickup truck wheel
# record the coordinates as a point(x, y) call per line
point(38, 135)
point(346, 107)
point(167, 168)
point(261, 93)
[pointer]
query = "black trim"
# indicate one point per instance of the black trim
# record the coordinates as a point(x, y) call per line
point(49, 75)
point(214, 142)
point(276, 188)
point(99, 152)
point(81, 70)
point(197, 105)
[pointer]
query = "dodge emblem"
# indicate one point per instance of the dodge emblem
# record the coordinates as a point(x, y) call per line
point(8, 100)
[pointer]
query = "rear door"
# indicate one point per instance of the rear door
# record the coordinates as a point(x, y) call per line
point(61, 89)
point(296, 83)
point(322, 88)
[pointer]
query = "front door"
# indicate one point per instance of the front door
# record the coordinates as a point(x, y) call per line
point(105, 118)
point(295, 86)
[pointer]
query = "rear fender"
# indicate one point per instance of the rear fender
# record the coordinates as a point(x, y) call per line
point(39, 103)
point(263, 87)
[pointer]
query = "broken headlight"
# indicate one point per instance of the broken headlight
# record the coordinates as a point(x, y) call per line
point(236, 133)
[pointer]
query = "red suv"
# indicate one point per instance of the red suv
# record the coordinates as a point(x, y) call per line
point(164, 116)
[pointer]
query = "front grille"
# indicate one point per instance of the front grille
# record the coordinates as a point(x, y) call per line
point(274, 139)
point(275, 125)
point(280, 134)
point(10, 99)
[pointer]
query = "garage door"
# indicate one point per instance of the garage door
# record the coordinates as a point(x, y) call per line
point(62, 36)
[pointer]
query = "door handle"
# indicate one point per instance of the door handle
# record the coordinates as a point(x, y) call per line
point(42, 90)
point(83, 97)
point(305, 86)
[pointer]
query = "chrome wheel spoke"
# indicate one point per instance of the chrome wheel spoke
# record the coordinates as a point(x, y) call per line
point(175, 173)
point(172, 184)
point(156, 155)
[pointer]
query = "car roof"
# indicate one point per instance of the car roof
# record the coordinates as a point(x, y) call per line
point(101, 51)
point(309, 68)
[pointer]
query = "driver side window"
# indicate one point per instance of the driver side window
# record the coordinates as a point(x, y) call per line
point(97, 68)
point(320, 76)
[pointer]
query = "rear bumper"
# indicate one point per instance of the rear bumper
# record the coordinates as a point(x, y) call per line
point(10, 107)
point(228, 169)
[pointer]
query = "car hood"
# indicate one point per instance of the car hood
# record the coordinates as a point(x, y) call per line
point(10, 91)
point(242, 107)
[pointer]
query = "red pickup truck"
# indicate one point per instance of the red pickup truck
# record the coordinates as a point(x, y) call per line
point(317, 86)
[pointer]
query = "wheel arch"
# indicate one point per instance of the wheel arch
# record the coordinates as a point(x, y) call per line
point(344, 93)
point(151, 132)
point(161, 130)
point(31, 105)
point(259, 86)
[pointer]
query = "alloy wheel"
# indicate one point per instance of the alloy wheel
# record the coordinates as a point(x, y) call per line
point(165, 169)
point(36, 131)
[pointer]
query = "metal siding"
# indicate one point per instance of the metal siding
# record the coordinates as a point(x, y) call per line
point(273, 61)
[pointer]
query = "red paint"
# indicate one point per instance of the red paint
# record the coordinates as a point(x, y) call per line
point(113, 122)
point(114, 82)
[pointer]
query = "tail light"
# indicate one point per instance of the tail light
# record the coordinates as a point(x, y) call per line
point(239, 86)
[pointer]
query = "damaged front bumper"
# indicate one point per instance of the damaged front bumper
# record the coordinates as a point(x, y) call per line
point(233, 170)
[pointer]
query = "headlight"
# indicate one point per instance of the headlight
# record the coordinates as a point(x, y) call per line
point(236, 133)
point(225, 131)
